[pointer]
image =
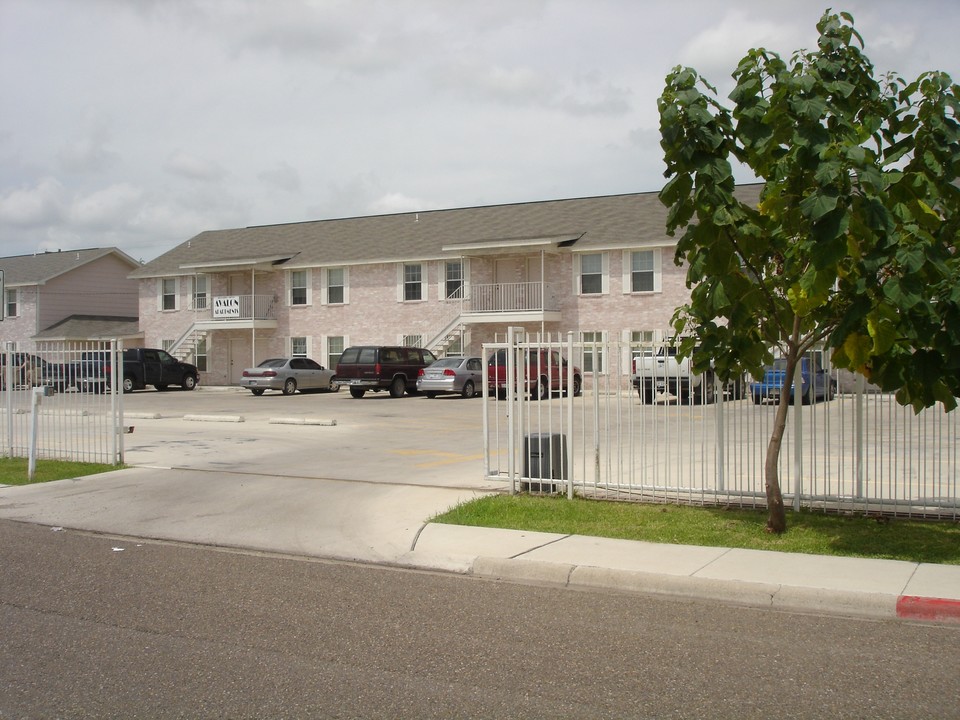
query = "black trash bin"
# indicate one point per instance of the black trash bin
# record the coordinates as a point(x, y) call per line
point(544, 460)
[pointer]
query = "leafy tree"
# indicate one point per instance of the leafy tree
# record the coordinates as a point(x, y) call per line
point(853, 244)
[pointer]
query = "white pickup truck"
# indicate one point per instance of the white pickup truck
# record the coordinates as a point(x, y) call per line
point(661, 376)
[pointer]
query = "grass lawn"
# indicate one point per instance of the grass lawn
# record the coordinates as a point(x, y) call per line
point(13, 470)
point(807, 532)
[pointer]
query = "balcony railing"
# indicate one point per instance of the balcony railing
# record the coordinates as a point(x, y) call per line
point(509, 297)
point(235, 307)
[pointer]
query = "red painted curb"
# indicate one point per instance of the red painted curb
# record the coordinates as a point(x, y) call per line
point(914, 607)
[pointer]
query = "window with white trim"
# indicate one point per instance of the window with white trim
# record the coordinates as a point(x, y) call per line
point(298, 347)
point(413, 281)
point(169, 293)
point(201, 292)
point(412, 341)
point(592, 353)
point(200, 355)
point(12, 301)
point(592, 271)
point(453, 288)
point(644, 270)
point(299, 281)
point(335, 346)
point(335, 281)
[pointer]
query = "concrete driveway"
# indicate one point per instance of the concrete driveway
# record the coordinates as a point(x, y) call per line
point(323, 474)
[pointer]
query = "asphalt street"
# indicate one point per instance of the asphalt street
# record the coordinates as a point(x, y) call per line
point(98, 626)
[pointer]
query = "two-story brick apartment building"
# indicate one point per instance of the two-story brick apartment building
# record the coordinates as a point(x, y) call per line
point(448, 280)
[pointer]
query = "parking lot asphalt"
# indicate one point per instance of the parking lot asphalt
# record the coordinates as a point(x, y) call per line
point(330, 476)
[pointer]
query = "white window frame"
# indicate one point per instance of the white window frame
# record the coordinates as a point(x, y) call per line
point(15, 293)
point(657, 270)
point(308, 282)
point(161, 294)
point(203, 366)
point(412, 340)
point(604, 274)
point(325, 342)
point(402, 282)
point(196, 292)
point(293, 351)
point(600, 337)
point(325, 286)
point(444, 278)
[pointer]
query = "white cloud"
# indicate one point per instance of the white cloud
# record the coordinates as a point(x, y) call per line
point(192, 167)
point(396, 203)
point(142, 124)
point(33, 206)
point(109, 208)
point(282, 177)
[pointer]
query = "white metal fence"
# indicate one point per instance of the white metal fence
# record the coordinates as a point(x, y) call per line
point(58, 403)
point(859, 451)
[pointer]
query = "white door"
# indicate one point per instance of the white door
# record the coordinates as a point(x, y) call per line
point(239, 359)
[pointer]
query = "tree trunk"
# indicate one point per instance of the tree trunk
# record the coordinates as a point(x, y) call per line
point(776, 512)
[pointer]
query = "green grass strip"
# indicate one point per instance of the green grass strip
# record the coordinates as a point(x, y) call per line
point(807, 532)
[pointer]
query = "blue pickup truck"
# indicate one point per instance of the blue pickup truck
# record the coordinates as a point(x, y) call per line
point(816, 383)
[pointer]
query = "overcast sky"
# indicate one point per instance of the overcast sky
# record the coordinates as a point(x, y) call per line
point(140, 123)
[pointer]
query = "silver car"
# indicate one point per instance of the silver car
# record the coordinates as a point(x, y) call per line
point(457, 375)
point(289, 375)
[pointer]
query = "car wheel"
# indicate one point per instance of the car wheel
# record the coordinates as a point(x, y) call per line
point(757, 398)
point(189, 382)
point(257, 391)
point(468, 389)
point(333, 385)
point(357, 392)
point(127, 385)
point(397, 387)
point(290, 386)
point(577, 386)
point(541, 391)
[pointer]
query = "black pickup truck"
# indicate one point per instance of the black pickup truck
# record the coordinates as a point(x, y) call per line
point(141, 367)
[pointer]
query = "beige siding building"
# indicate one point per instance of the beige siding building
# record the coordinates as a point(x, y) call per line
point(68, 295)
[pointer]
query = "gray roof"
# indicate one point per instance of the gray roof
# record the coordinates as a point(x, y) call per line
point(91, 327)
point(583, 224)
point(37, 269)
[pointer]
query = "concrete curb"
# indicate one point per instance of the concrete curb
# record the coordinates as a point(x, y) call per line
point(301, 421)
point(752, 594)
point(214, 418)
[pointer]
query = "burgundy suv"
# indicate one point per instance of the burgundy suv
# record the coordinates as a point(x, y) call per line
point(545, 372)
point(382, 367)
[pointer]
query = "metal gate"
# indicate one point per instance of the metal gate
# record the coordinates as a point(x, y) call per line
point(62, 402)
point(853, 450)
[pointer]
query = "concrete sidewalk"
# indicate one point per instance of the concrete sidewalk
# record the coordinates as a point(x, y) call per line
point(787, 581)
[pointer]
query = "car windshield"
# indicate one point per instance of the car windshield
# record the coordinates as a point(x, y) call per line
point(273, 363)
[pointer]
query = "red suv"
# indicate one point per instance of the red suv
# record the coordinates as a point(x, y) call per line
point(545, 372)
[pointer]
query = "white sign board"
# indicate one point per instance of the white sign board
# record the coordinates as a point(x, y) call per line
point(226, 307)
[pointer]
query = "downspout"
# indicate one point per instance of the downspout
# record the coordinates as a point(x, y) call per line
point(253, 316)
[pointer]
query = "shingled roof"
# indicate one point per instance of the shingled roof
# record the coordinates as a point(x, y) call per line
point(37, 269)
point(607, 222)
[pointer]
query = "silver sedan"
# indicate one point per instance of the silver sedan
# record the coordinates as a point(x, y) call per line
point(289, 375)
point(457, 375)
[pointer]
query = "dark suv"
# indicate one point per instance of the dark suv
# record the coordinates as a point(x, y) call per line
point(382, 367)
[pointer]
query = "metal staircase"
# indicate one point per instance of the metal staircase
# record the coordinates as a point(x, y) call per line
point(185, 347)
point(453, 330)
